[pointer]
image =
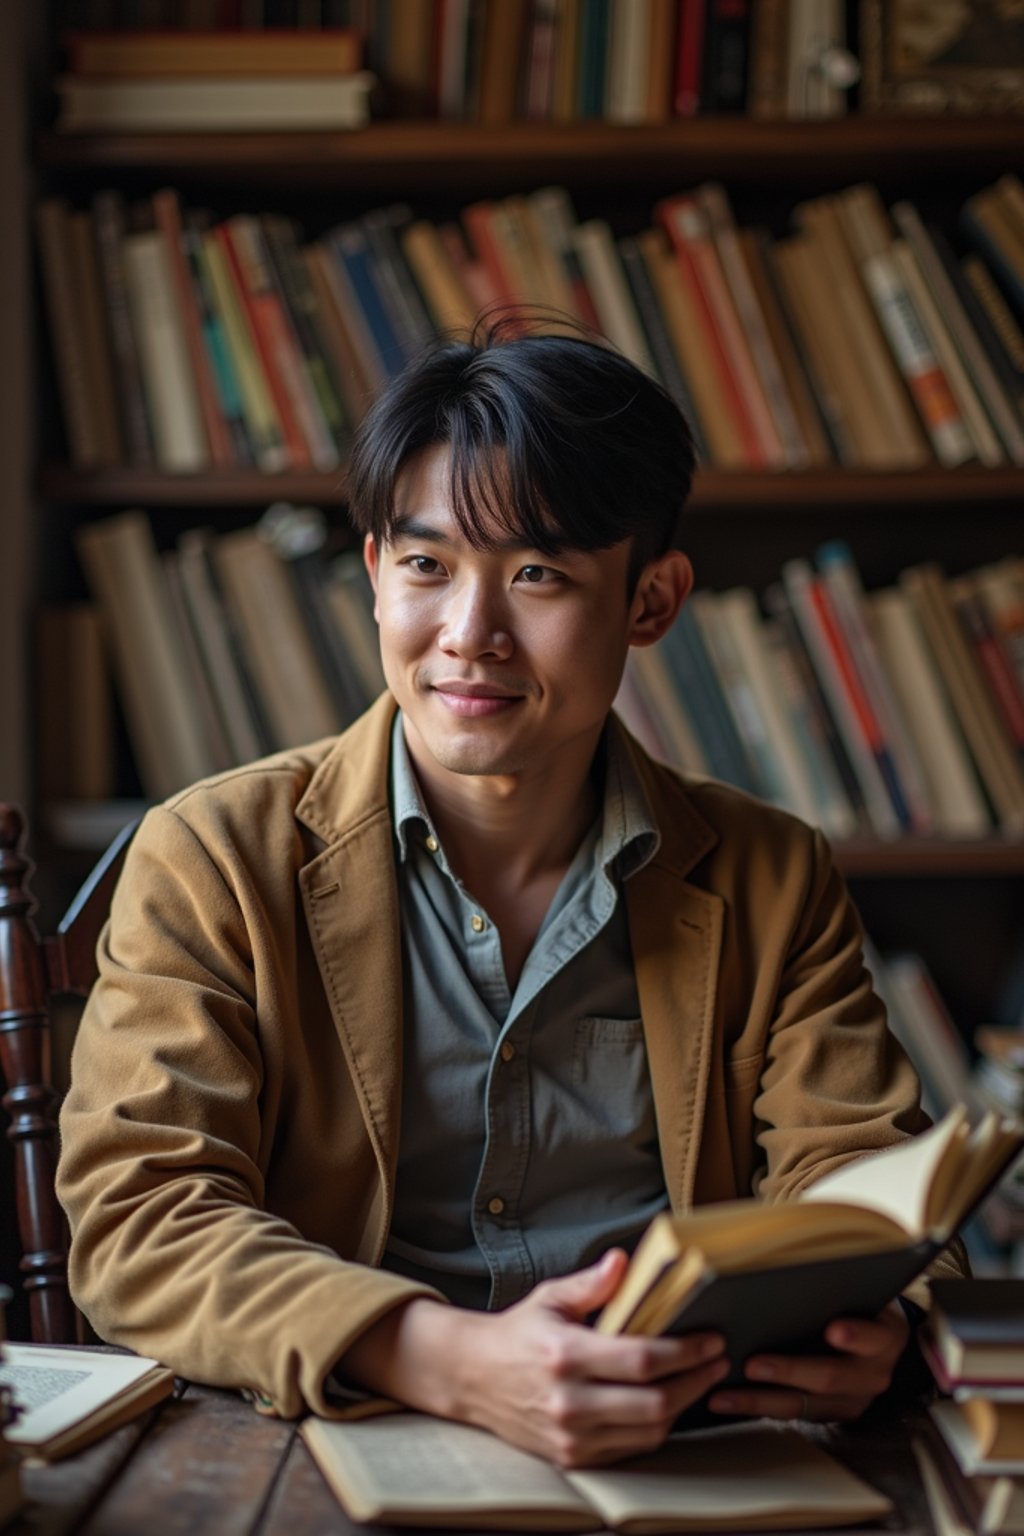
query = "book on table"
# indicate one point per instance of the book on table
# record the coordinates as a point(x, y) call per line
point(410, 1469)
point(988, 1504)
point(771, 1277)
point(69, 1397)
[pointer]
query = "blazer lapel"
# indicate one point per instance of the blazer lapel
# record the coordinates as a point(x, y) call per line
point(350, 898)
point(676, 935)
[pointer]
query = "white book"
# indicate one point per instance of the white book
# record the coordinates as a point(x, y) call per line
point(602, 268)
point(928, 716)
point(167, 377)
point(629, 45)
point(70, 1397)
point(199, 105)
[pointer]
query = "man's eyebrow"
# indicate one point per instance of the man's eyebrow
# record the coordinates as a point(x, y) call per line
point(412, 528)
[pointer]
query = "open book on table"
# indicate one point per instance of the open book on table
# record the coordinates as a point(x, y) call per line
point(69, 1397)
point(410, 1469)
point(771, 1277)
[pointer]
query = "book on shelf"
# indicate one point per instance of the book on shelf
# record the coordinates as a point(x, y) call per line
point(157, 54)
point(70, 1397)
point(124, 573)
point(410, 1469)
point(772, 1277)
point(227, 103)
point(975, 1451)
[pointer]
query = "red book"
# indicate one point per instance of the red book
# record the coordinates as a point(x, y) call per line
point(675, 216)
point(689, 57)
point(168, 219)
point(268, 324)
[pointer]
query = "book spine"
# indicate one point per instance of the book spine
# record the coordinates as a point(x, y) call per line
point(926, 381)
point(656, 333)
point(677, 218)
point(689, 59)
point(222, 366)
point(109, 224)
point(170, 393)
point(726, 56)
point(267, 328)
point(297, 289)
point(992, 660)
point(350, 248)
point(168, 221)
point(261, 418)
point(97, 345)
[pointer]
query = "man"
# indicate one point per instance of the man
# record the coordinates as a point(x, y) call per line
point(401, 1040)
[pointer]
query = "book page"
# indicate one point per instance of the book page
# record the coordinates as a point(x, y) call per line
point(57, 1388)
point(745, 1476)
point(409, 1463)
point(897, 1181)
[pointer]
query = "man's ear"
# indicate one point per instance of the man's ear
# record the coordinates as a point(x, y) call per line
point(663, 588)
point(370, 560)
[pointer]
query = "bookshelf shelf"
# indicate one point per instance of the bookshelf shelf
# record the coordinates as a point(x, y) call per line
point(713, 490)
point(931, 857)
point(392, 156)
point(88, 826)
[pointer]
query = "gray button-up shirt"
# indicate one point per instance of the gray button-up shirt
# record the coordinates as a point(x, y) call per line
point(528, 1143)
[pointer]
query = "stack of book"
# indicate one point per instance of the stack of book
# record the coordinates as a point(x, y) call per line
point(139, 82)
point(187, 342)
point(875, 713)
point(972, 1453)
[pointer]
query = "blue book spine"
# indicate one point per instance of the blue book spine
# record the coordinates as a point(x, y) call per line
point(698, 687)
point(349, 246)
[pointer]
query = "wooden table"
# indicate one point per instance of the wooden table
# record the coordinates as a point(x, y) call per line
point(204, 1463)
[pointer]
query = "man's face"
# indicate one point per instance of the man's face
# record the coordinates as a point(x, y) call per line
point(504, 662)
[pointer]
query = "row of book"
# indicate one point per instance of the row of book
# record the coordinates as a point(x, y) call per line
point(174, 81)
point(970, 1451)
point(891, 713)
point(626, 61)
point(189, 342)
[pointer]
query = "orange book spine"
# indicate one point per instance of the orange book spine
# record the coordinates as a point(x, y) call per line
point(259, 307)
point(671, 215)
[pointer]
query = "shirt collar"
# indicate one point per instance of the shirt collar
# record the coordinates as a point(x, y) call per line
point(629, 836)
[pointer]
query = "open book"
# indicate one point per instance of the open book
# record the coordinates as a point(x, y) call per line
point(69, 1397)
point(771, 1277)
point(410, 1469)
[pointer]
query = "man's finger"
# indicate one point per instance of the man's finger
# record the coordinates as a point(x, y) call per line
point(580, 1294)
point(887, 1334)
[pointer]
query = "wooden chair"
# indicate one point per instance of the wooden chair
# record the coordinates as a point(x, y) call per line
point(33, 972)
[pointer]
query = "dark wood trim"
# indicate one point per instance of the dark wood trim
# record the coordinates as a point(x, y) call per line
point(434, 155)
point(931, 857)
point(815, 490)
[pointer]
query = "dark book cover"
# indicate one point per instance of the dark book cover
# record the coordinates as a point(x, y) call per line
point(982, 1311)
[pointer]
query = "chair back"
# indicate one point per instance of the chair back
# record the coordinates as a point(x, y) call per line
point(34, 970)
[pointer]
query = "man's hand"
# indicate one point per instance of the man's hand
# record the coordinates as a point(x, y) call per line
point(536, 1375)
point(837, 1386)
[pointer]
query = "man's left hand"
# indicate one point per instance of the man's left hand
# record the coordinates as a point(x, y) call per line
point(839, 1386)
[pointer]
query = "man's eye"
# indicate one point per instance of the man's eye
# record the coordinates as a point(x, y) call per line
point(535, 574)
point(424, 565)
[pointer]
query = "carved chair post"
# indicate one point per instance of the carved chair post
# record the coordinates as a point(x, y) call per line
point(29, 1097)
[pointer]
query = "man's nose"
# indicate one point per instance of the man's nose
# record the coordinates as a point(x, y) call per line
point(476, 622)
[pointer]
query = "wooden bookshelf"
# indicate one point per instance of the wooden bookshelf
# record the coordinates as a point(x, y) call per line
point(392, 157)
point(714, 489)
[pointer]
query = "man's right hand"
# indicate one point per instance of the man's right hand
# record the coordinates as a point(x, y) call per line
point(536, 1374)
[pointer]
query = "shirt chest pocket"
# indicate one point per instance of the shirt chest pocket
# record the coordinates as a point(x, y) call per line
point(611, 1080)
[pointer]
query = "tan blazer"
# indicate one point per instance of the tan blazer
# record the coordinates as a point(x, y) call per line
point(231, 1131)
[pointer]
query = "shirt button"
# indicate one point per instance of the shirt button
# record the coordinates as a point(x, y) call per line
point(431, 844)
point(507, 1051)
point(496, 1206)
point(476, 922)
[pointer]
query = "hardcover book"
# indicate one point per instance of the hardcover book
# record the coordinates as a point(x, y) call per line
point(771, 1277)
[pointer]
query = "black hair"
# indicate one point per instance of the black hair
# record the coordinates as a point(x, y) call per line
point(595, 452)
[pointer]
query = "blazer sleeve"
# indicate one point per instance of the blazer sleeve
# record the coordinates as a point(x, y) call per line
point(172, 1251)
point(836, 1083)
